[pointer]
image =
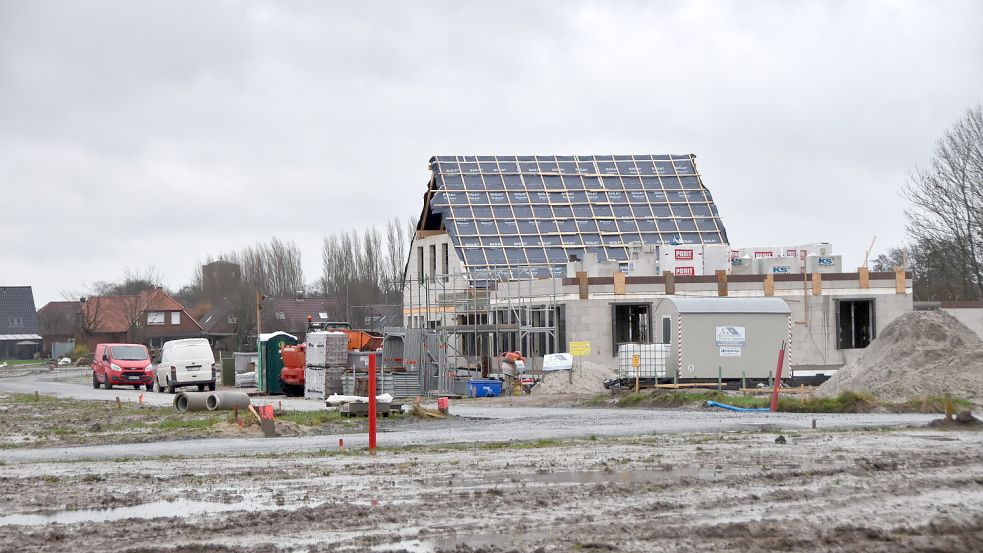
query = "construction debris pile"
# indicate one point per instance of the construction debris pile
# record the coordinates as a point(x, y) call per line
point(919, 354)
point(586, 378)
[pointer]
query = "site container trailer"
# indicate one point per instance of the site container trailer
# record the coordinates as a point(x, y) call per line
point(737, 337)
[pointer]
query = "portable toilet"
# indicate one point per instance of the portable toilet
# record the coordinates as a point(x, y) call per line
point(269, 362)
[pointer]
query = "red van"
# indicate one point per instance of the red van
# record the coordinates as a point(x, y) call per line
point(122, 365)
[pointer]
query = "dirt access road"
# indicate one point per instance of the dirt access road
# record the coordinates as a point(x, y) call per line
point(864, 491)
point(472, 423)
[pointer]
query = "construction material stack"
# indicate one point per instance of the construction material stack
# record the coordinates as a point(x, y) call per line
point(327, 354)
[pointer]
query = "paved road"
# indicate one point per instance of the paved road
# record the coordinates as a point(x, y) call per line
point(472, 424)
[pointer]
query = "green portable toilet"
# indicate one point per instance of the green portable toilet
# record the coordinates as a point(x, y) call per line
point(269, 362)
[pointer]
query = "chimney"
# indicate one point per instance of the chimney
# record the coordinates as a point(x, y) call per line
point(299, 294)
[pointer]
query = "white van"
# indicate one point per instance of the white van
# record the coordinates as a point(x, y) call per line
point(188, 362)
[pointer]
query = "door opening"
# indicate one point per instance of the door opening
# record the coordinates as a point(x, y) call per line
point(854, 324)
point(631, 323)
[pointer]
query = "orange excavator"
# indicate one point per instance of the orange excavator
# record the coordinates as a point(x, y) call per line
point(295, 357)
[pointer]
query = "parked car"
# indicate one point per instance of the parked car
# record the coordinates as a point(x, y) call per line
point(188, 362)
point(122, 365)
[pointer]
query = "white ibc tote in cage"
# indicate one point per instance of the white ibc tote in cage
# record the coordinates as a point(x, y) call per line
point(642, 360)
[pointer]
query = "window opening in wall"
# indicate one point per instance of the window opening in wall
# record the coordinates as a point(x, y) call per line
point(433, 262)
point(419, 263)
point(631, 323)
point(666, 330)
point(175, 317)
point(155, 318)
point(444, 261)
point(855, 324)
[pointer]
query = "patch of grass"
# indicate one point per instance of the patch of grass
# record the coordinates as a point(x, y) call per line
point(310, 418)
point(846, 402)
point(536, 444)
point(632, 399)
point(64, 430)
point(16, 362)
point(29, 398)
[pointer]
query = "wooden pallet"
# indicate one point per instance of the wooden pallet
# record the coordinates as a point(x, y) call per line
point(362, 409)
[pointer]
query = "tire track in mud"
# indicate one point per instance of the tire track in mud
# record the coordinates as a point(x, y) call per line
point(869, 492)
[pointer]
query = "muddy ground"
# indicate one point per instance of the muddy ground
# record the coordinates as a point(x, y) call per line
point(30, 420)
point(871, 491)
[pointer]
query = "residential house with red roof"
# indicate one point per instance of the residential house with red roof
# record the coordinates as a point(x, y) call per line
point(150, 317)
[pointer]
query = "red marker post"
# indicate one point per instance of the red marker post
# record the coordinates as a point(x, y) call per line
point(778, 378)
point(372, 402)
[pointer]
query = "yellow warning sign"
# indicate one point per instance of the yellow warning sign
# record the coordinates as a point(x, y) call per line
point(578, 349)
point(636, 360)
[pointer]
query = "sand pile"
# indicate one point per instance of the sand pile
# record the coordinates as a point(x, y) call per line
point(587, 378)
point(920, 353)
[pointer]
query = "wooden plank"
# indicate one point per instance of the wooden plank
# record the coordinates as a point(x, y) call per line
point(721, 282)
point(899, 281)
point(800, 390)
point(584, 288)
point(769, 284)
point(817, 284)
point(670, 278)
point(685, 385)
point(619, 283)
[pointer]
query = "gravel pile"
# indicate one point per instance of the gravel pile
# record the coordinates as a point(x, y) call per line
point(920, 353)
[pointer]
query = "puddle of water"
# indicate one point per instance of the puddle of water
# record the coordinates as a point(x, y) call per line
point(626, 476)
point(157, 509)
point(445, 543)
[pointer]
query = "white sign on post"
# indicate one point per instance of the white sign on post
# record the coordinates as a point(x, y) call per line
point(731, 336)
point(557, 362)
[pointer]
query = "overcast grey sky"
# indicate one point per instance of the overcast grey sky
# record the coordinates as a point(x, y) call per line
point(156, 133)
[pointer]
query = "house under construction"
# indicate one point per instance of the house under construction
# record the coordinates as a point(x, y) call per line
point(529, 253)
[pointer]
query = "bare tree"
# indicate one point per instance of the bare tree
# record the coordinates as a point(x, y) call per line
point(947, 204)
point(274, 269)
point(397, 245)
point(895, 257)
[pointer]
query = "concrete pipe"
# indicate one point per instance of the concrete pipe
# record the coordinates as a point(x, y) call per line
point(227, 400)
point(190, 401)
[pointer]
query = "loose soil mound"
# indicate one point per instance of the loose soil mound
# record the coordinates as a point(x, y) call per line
point(587, 378)
point(922, 353)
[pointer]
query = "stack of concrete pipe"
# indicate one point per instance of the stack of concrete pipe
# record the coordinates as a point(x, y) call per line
point(210, 401)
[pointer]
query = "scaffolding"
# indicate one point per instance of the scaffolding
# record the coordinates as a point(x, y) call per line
point(456, 325)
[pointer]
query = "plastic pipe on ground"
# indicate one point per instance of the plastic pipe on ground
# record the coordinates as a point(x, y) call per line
point(190, 401)
point(739, 409)
point(227, 400)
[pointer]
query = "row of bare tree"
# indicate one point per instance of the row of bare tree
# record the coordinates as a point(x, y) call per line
point(362, 268)
point(365, 268)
